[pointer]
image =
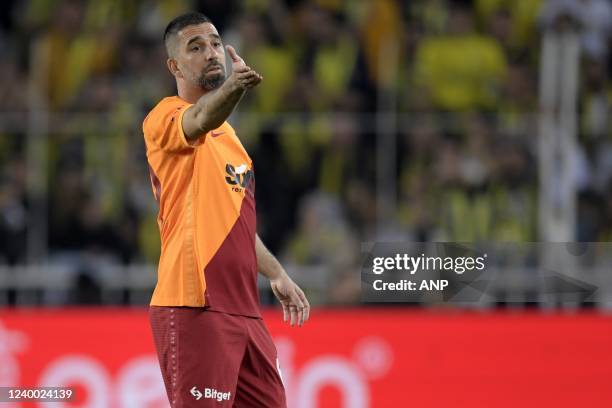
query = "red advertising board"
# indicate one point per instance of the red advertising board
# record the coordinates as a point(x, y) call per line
point(342, 358)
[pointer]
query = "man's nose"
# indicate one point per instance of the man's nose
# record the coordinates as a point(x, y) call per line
point(210, 53)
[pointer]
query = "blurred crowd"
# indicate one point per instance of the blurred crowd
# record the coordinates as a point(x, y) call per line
point(462, 78)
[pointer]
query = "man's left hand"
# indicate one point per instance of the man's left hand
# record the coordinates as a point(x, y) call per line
point(296, 308)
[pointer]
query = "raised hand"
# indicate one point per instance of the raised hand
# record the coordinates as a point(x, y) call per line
point(245, 76)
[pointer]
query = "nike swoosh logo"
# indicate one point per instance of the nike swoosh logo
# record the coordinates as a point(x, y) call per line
point(216, 134)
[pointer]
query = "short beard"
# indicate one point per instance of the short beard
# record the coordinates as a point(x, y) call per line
point(211, 83)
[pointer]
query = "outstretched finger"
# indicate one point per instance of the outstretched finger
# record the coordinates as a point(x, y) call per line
point(242, 75)
point(251, 82)
point(240, 69)
point(232, 53)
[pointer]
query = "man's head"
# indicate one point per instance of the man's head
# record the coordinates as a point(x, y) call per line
point(195, 51)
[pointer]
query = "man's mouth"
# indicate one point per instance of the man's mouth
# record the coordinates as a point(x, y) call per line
point(214, 68)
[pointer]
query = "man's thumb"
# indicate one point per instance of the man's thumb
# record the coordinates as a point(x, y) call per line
point(232, 53)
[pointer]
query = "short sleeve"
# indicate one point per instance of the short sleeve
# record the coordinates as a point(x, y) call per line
point(164, 126)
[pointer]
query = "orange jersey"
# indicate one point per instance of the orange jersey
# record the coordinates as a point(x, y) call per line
point(205, 192)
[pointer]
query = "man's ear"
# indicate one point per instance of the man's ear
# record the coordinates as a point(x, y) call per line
point(173, 68)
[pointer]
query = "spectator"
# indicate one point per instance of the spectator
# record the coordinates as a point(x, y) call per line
point(461, 70)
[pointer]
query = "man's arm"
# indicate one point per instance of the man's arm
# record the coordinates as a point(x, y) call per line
point(213, 108)
point(295, 305)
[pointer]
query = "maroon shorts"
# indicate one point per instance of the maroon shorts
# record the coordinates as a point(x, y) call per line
point(213, 359)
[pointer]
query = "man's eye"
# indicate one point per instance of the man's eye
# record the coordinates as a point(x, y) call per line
point(217, 44)
point(195, 48)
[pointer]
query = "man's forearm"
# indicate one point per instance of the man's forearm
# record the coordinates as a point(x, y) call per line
point(213, 108)
point(267, 264)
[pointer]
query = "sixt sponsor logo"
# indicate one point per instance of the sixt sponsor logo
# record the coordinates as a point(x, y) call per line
point(240, 177)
